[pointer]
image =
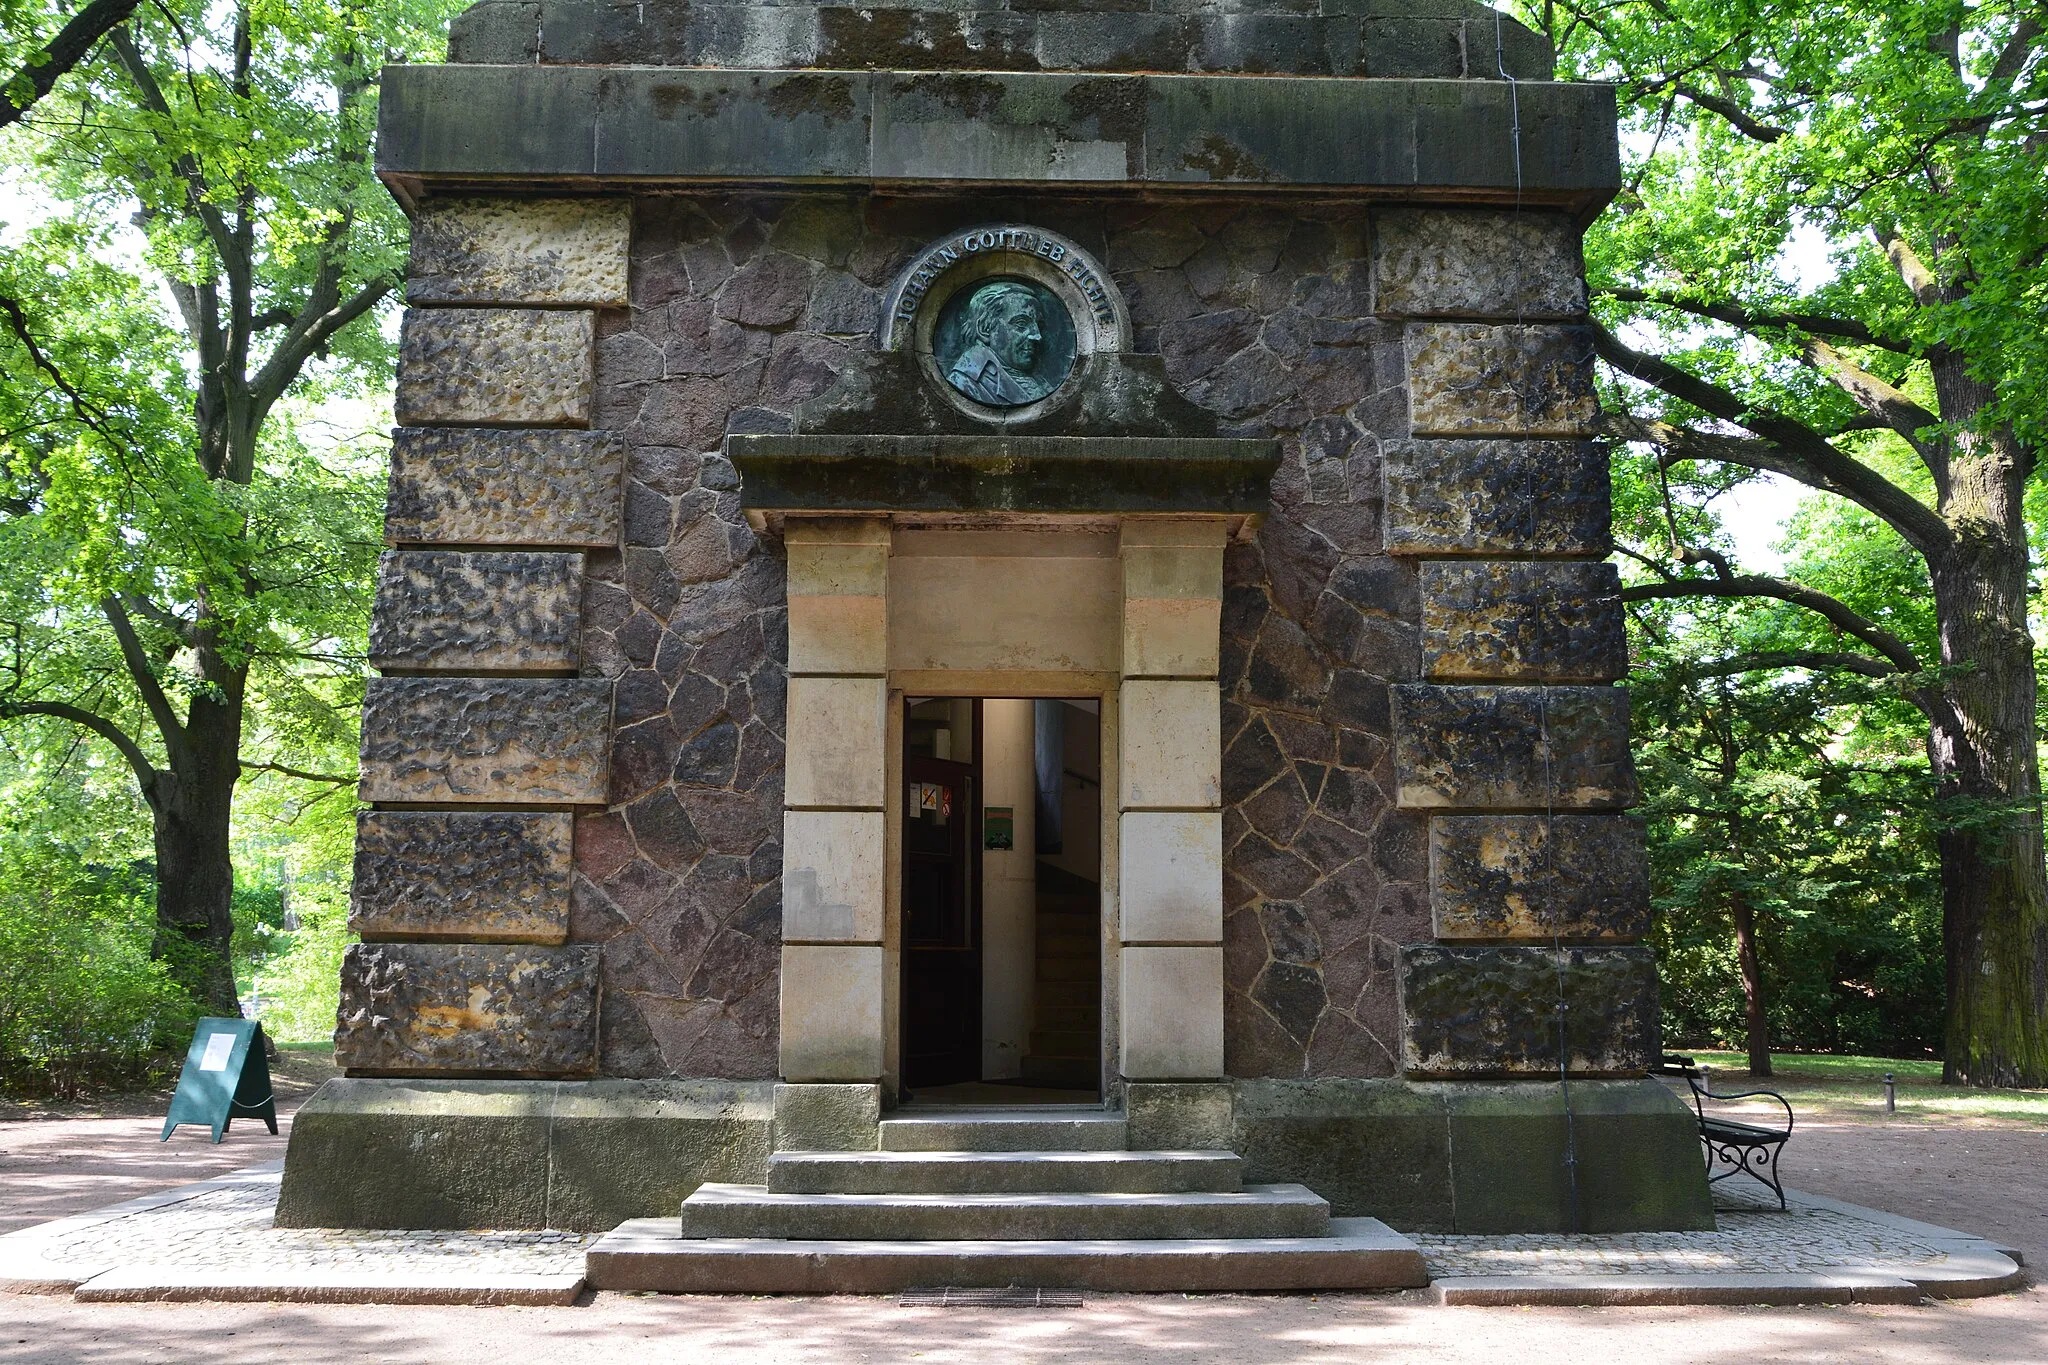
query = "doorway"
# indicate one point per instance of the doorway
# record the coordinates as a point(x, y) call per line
point(1001, 918)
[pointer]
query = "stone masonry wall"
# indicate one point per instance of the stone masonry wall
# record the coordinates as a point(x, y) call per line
point(743, 308)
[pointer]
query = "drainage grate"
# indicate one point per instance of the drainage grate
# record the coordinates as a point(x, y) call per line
point(990, 1298)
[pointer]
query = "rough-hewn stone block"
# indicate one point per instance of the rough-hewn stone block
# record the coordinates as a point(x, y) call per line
point(1476, 263)
point(1524, 621)
point(828, 1118)
point(486, 611)
point(1506, 748)
point(521, 251)
point(417, 1008)
point(1497, 497)
point(507, 741)
point(1494, 1011)
point(1534, 876)
point(504, 487)
point(1474, 379)
point(496, 367)
point(478, 876)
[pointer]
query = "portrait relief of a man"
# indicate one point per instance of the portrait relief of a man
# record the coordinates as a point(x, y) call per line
point(1003, 336)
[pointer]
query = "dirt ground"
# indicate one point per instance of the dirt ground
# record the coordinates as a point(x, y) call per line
point(1987, 1177)
point(57, 1160)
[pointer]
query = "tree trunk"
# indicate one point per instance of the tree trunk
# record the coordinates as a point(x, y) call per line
point(1994, 884)
point(195, 874)
point(1759, 1036)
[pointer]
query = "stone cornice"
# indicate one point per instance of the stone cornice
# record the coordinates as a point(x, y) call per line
point(626, 128)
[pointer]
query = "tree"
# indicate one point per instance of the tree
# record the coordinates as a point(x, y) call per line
point(174, 555)
point(1907, 141)
point(44, 60)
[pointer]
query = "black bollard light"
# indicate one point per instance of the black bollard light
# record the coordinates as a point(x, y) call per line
point(1891, 1095)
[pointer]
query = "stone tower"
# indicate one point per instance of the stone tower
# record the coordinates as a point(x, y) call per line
point(1214, 365)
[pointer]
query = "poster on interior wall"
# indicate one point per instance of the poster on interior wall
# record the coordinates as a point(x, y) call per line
point(998, 827)
point(1048, 766)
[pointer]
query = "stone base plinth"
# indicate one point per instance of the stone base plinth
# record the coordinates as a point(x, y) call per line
point(1453, 1156)
point(582, 1156)
point(1471, 1157)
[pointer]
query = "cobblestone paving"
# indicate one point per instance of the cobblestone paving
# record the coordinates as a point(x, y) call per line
point(1754, 1238)
point(230, 1229)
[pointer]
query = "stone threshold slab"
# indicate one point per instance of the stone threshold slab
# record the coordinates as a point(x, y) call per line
point(646, 1254)
point(172, 1284)
point(627, 126)
point(28, 1267)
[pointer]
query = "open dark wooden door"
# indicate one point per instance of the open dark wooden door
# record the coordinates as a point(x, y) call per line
point(941, 923)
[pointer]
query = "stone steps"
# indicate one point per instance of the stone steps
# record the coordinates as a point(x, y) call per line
point(1082, 1128)
point(1086, 947)
point(1067, 1172)
point(1073, 993)
point(647, 1254)
point(754, 1211)
point(1044, 1196)
point(1078, 969)
point(1071, 1018)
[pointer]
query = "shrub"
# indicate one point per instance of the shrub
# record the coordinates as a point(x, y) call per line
point(84, 1005)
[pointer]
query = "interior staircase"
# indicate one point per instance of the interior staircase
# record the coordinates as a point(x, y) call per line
point(1065, 1052)
point(1033, 1198)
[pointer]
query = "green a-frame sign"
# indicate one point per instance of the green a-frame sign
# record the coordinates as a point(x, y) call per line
point(225, 1075)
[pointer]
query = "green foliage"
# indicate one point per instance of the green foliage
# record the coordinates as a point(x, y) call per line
point(1764, 132)
point(84, 1005)
point(190, 297)
point(1785, 793)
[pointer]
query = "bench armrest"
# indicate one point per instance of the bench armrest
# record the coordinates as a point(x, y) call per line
point(1700, 1092)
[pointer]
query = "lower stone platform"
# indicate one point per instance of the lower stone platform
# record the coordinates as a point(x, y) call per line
point(1463, 1157)
point(650, 1254)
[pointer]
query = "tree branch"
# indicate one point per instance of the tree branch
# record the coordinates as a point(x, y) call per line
point(145, 772)
point(2013, 56)
point(195, 180)
point(94, 417)
point(1912, 271)
point(1789, 447)
point(1846, 329)
point(1736, 116)
point(309, 333)
point(1904, 416)
point(1817, 660)
point(299, 773)
point(72, 44)
point(144, 677)
point(1836, 613)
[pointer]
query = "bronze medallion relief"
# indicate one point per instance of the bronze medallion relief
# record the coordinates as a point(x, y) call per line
point(1003, 319)
point(1004, 342)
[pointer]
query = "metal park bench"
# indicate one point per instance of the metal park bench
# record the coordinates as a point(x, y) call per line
point(1744, 1148)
